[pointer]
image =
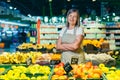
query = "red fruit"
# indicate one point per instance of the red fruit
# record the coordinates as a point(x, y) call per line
point(88, 64)
point(95, 67)
point(61, 64)
point(59, 72)
point(57, 66)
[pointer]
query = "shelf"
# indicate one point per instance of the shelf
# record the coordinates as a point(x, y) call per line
point(48, 27)
point(106, 38)
point(112, 27)
point(116, 38)
point(91, 38)
point(102, 32)
point(117, 43)
point(48, 39)
point(49, 33)
point(104, 27)
point(51, 27)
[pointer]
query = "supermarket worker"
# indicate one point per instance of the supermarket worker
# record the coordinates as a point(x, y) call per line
point(70, 39)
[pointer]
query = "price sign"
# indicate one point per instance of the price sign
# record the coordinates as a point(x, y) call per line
point(29, 61)
point(54, 62)
point(67, 67)
point(74, 60)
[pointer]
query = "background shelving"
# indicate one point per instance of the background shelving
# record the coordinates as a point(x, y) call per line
point(50, 33)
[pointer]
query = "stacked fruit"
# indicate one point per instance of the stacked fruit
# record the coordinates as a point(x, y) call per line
point(36, 47)
point(115, 54)
point(86, 71)
point(27, 73)
point(96, 43)
point(2, 70)
point(59, 72)
point(18, 57)
point(81, 71)
point(55, 56)
point(111, 73)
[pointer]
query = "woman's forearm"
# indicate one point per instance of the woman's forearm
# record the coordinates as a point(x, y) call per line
point(72, 46)
point(66, 47)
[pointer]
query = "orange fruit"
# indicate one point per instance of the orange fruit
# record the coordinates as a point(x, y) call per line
point(59, 72)
point(54, 77)
point(88, 64)
point(96, 75)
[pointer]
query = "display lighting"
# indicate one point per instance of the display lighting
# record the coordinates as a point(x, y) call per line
point(113, 14)
point(108, 16)
point(54, 19)
point(63, 19)
point(8, 0)
point(60, 19)
point(97, 19)
point(68, 0)
point(89, 19)
point(13, 23)
point(15, 8)
point(104, 18)
point(29, 15)
point(93, 0)
point(50, 0)
point(45, 19)
point(10, 7)
point(117, 18)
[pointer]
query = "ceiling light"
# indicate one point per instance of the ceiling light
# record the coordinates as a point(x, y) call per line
point(11, 7)
point(15, 8)
point(29, 15)
point(68, 0)
point(8, 0)
point(93, 0)
point(50, 0)
point(113, 14)
point(46, 19)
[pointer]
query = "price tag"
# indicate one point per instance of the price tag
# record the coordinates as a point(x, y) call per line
point(74, 60)
point(29, 61)
point(67, 67)
point(54, 62)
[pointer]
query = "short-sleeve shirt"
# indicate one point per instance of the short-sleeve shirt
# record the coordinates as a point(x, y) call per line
point(79, 31)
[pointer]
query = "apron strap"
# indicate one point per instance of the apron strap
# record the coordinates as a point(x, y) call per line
point(74, 32)
point(65, 31)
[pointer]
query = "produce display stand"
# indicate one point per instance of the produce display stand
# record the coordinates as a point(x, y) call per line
point(28, 74)
point(8, 67)
point(51, 63)
point(52, 67)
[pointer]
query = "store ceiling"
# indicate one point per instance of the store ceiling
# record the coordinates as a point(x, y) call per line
point(42, 7)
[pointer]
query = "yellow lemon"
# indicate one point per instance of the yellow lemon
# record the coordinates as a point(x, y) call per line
point(101, 65)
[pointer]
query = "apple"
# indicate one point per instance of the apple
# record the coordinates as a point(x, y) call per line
point(95, 67)
point(61, 64)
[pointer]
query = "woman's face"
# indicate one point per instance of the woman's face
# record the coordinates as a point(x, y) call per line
point(72, 18)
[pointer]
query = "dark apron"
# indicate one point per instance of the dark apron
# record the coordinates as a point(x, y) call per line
point(73, 57)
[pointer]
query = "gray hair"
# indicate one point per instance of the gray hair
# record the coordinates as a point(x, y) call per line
point(78, 17)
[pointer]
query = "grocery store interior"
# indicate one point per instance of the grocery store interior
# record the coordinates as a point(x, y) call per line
point(29, 30)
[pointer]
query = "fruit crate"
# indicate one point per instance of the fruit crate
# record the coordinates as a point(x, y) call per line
point(8, 67)
point(42, 74)
point(71, 78)
point(28, 74)
point(112, 74)
point(103, 77)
